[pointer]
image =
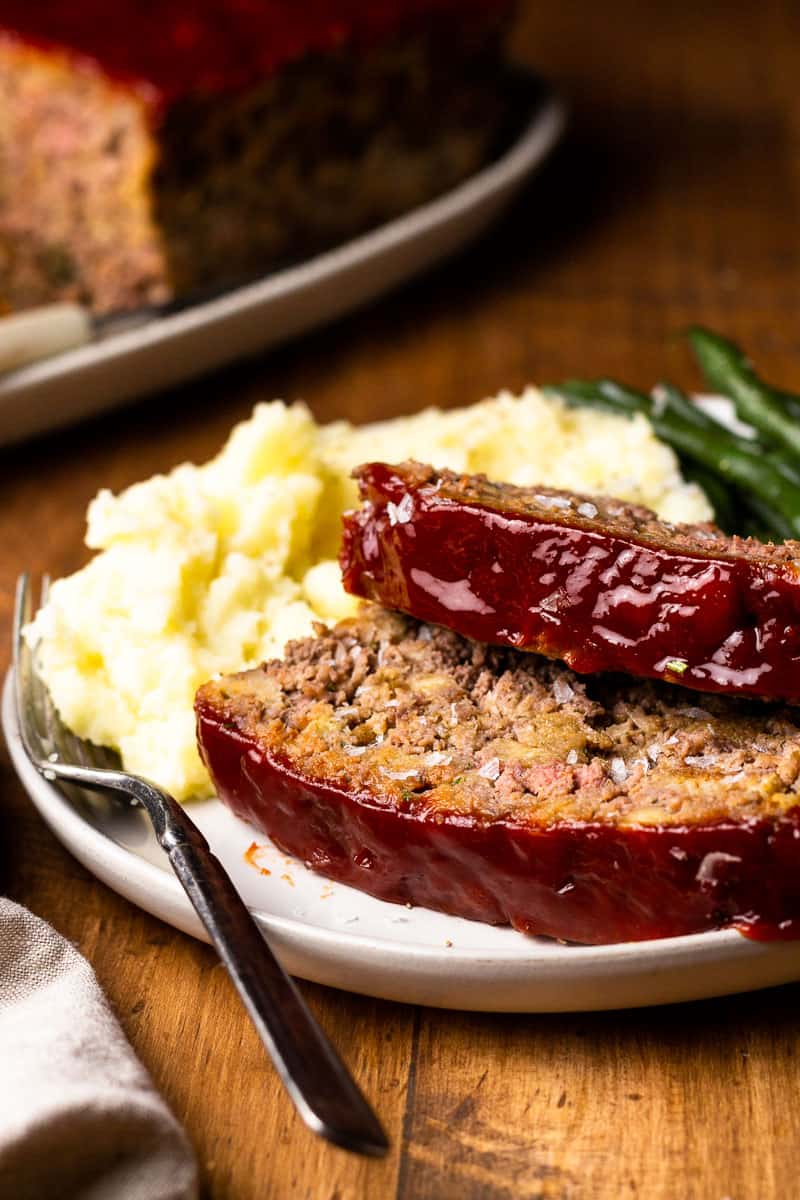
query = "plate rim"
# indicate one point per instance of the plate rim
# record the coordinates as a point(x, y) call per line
point(529, 148)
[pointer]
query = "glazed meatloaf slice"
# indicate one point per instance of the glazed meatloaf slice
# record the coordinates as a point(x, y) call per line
point(601, 584)
point(428, 769)
point(174, 147)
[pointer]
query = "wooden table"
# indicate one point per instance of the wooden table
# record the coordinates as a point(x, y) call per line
point(676, 198)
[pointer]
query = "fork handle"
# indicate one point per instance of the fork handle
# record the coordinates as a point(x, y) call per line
point(314, 1076)
point(312, 1072)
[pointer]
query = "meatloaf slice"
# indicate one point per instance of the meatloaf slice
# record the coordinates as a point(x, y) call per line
point(601, 584)
point(428, 769)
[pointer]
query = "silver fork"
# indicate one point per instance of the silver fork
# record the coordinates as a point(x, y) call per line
point(315, 1077)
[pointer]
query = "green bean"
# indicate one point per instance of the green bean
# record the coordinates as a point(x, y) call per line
point(717, 494)
point(584, 393)
point(720, 453)
point(766, 521)
point(620, 393)
point(790, 402)
point(751, 527)
point(731, 458)
point(667, 397)
point(676, 401)
point(728, 371)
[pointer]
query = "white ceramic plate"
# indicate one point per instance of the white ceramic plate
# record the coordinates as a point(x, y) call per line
point(169, 349)
point(335, 935)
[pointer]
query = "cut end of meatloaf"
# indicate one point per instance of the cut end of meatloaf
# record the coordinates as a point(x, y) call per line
point(76, 156)
point(429, 770)
point(602, 584)
point(414, 716)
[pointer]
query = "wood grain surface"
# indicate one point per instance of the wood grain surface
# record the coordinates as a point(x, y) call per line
point(675, 197)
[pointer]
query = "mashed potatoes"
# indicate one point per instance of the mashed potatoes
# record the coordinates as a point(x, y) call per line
point(213, 568)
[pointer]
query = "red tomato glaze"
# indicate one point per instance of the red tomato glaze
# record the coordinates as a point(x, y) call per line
point(597, 600)
point(176, 47)
point(587, 883)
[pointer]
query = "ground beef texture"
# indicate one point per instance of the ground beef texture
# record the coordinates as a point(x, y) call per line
point(429, 769)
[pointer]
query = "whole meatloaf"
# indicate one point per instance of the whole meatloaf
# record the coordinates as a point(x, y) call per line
point(603, 585)
point(149, 149)
point(428, 769)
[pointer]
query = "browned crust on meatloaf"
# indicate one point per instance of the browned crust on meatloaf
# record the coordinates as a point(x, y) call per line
point(601, 514)
point(420, 718)
point(322, 152)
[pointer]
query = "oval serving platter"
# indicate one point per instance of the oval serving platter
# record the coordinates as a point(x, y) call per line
point(164, 350)
point(332, 934)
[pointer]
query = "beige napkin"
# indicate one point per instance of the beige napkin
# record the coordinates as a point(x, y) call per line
point(79, 1116)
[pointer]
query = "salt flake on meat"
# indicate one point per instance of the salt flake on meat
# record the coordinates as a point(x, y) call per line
point(490, 769)
point(618, 770)
point(707, 871)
